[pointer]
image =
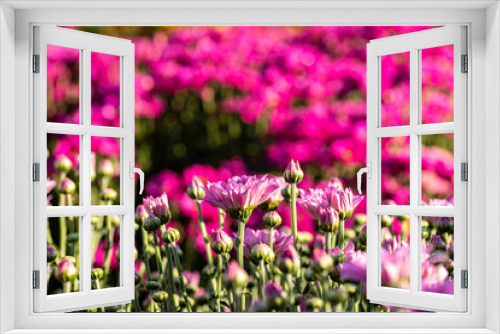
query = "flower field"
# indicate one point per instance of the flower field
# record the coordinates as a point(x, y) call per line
point(250, 139)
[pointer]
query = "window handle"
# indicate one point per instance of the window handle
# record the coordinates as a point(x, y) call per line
point(134, 170)
point(368, 171)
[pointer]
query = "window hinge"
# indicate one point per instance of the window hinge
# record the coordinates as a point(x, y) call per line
point(36, 172)
point(465, 64)
point(464, 172)
point(36, 279)
point(464, 276)
point(36, 63)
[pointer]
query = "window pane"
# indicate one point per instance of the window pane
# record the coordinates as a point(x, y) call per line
point(395, 89)
point(395, 254)
point(63, 87)
point(437, 254)
point(105, 89)
point(63, 177)
point(106, 171)
point(105, 250)
point(437, 169)
point(395, 170)
point(437, 84)
point(63, 255)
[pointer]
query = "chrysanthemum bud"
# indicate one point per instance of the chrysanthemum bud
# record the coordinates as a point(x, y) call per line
point(66, 270)
point(386, 220)
point(362, 236)
point(158, 206)
point(221, 243)
point(272, 219)
point(73, 238)
point(287, 193)
point(293, 172)
point(137, 278)
point(106, 168)
point(153, 286)
point(359, 220)
point(51, 254)
point(305, 237)
point(261, 252)
point(311, 275)
point(160, 297)
point(108, 194)
point(114, 220)
point(94, 220)
point(66, 187)
point(140, 214)
point(195, 188)
point(288, 260)
point(329, 220)
point(170, 235)
point(235, 276)
point(96, 273)
point(314, 303)
point(151, 224)
point(337, 296)
point(321, 261)
point(63, 164)
point(275, 295)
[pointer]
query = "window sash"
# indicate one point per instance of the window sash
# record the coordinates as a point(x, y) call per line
point(413, 43)
point(86, 43)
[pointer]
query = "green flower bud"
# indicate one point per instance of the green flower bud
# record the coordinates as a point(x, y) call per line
point(160, 297)
point(311, 275)
point(386, 220)
point(314, 303)
point(152, 223)
point(96, 273)
point(66, 270)
point(63, 164)
point(305, 237)
point(94, 220)
point(115, 220)
point(235, 276)
point(73, 238)
point(51, 254)
point(195, 188)
point(293, 172)
point(221, 243)
point(337, 296)
point(272, 219)
point(106, 168)
point(287, 193)
point(170, 236)
point(137, 278)
point(153, 286)
point(261, 252)
point(66, 187)
point(108, 194)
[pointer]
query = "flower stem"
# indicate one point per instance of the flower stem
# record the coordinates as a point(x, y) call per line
point(203, 230)
point(240, 241)
point(328, 241)
point(173, 302)
point(291, 294)
point(293, 213)
point(145, 254)
point(181, 278)
point(63, 235)
point(109, 246)
point(67, 287)
point(219, 283)
point(136, 300)
point(263, 279)
point(222, 215)
point(271, 237)
point(341, 235)
point(159, 262)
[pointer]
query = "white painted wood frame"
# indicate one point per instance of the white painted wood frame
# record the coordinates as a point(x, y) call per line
point(414, 43)
point(86, 43)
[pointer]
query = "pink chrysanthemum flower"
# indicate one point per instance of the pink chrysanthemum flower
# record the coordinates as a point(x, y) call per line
point(313, 202)
point(272, 203)
point(239, 195)
point(158, 206)
point(343, 201)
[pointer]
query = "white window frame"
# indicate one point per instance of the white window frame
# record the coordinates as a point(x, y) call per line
point(86, 44)
point(484, 35)
point(413, 43)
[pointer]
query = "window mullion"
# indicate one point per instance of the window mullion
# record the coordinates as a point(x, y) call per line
point(414, 171)
point(86, 171)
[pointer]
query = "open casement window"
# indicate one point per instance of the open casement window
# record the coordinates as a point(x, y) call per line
point(70, 210)
point(405, 117)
